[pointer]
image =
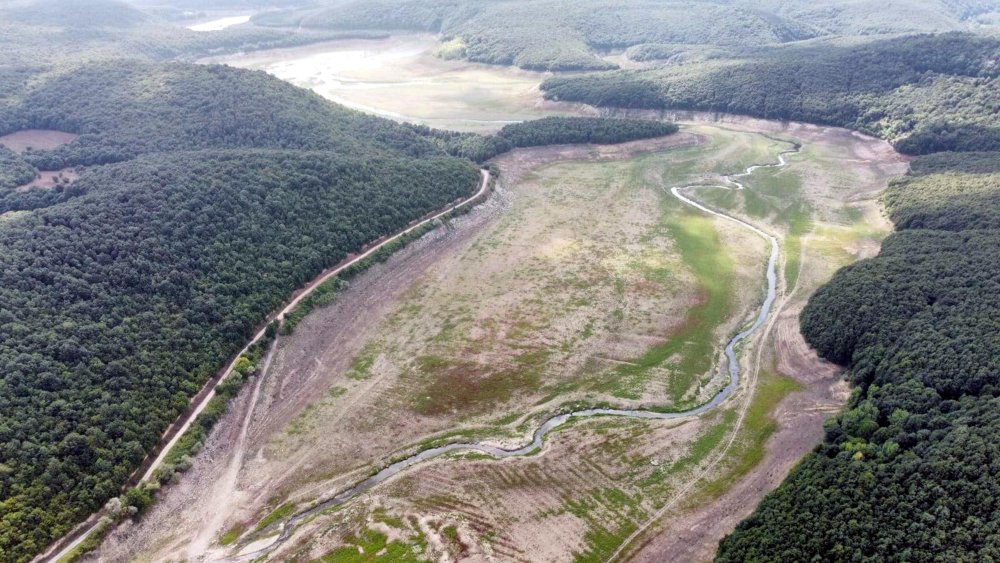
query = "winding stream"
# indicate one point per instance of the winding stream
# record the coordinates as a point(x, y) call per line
point(558, 420)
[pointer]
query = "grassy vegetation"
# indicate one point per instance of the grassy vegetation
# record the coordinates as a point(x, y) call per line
point(748, 449)
point(371, 545)
point(657, 486)
point(278, 514)
point(690, 349)
point(695, 342)
point(323, 295)
point(776, 195)
point(600, 538)
point(917, 326)
point(454, 385)
point(326, 293)
point(232, 534)
point(361, 364)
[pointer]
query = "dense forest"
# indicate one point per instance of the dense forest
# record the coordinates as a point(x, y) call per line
point(553, 131)
point(207, 194)
point(40, 35)
point(928, 93)
point(551, 35)
point(912, 467)
point(214, 193)
point(14, 170)
point(123, 108)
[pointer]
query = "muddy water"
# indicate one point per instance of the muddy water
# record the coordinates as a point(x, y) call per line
point(256, 549)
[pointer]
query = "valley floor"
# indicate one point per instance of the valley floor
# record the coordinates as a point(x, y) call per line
point(583, 281)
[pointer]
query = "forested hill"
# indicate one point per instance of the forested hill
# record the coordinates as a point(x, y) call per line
point(551, 35)
point(123, 108)
point(556, 35)
point(927, 93)
point(552, 131)
point(911, 470)
point(133, 286)
point(38, 36)
point(207, 195)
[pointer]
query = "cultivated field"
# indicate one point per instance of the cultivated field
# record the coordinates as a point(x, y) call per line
point(581, 281)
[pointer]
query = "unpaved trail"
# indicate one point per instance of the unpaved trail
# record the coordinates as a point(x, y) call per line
point(323, 340)
point(224, 493)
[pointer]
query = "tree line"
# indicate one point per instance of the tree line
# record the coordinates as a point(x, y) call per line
point(550, 36)
point(910, 470)
point(552, 131)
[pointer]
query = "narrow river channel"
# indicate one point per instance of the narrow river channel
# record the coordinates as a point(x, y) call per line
point(262, 547)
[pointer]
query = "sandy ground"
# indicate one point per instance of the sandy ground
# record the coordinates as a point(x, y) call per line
point(312, 364)
point(39, 139)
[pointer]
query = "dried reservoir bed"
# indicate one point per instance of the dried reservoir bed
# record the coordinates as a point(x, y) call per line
point(581, 280)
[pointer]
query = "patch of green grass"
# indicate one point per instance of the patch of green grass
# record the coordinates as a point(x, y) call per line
point(280, 513)
point(462, 435)
point(758, 425)
point(232, 534)
point(88, 545)
point(323, 295)
point(776, 194)
point(451, 533)
point(382, 515)
point(610, 515)
point(371, 545)
point(458, 385)
point(361, 364)
point(850, 214)
point(699, 451)
point(303, 422)
point(694, 342)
